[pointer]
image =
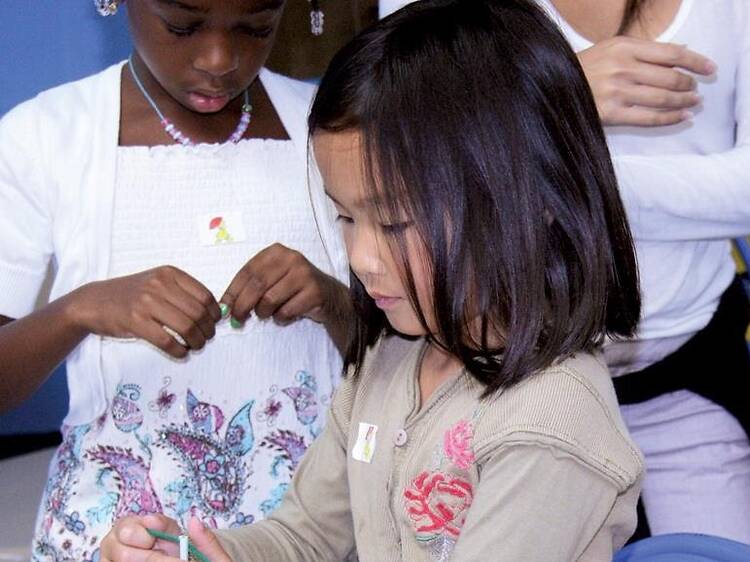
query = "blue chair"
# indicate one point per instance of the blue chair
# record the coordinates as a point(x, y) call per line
point(684, 547)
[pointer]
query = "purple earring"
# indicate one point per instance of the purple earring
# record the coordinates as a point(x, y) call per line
point(316, 17)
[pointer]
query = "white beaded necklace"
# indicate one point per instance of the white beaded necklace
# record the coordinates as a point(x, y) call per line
point(178, 135)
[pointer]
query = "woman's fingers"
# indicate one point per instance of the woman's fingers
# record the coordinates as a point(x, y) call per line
point(672, 55)
point(660, 77)
point(641, 82)
point(648, 96)
point(648, 117)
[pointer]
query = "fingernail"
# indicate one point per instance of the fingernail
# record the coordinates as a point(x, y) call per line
point(225, 310)
point(711, 67)
point(687, 115)
point(234, 323)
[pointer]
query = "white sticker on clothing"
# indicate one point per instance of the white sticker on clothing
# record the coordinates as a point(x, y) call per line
point(221, 228)
point(364, 448)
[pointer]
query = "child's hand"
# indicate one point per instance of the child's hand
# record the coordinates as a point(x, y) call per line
point(281, 283)
point(142, 305)
point(129, 541)
point(641, 82)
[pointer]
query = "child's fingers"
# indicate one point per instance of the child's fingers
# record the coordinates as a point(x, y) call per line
point(194, 309)
point(279, 294)
point(154, 333)
point(166, 314)
point(205, 541)
point(307, 303)
point(130, 540)
point(200, 293)
point(263, 271)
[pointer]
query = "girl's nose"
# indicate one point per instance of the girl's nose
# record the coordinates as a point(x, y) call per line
point(217, 56)
point(365, 251)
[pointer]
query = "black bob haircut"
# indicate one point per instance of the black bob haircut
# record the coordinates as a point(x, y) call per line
point(479, 125)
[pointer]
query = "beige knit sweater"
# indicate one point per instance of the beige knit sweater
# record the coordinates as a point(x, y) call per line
point(544, 471)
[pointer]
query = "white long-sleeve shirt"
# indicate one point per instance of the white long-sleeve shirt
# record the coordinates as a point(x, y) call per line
point(686, 187)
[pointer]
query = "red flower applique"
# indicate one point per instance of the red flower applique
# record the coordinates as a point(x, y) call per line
point(437, 504)
point(457, 444)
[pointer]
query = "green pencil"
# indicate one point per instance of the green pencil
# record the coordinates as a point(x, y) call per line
point(195, 554)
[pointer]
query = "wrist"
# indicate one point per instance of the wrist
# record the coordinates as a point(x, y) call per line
point(74, 312)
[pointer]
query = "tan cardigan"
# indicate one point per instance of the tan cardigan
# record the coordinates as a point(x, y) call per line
point(542, 472)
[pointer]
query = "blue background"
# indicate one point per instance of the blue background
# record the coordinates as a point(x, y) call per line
point(45, 43)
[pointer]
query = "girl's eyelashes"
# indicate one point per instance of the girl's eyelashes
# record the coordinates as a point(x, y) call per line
point(396, 227)
point(180, 31)
point(258, 32)
point(185, 31)
point(344, 219)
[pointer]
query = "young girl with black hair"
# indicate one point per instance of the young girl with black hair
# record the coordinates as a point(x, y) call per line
point(490, 256)
point(170, 191)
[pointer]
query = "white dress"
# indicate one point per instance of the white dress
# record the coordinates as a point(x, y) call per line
point(218, 434)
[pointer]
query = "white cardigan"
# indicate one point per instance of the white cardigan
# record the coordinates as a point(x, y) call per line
point(57, 178)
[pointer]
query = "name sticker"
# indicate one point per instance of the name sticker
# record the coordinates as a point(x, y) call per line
point(221, 228)
point(364, 448)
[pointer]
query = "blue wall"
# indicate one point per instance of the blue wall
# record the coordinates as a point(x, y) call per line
point(45, 43)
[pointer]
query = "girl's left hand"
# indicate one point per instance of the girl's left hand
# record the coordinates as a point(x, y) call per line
point(281, 283)
point(129, 541)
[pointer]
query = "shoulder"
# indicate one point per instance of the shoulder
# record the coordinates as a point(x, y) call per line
point(296, 92)
point(571, 407)
point(69, 105)
point(384, 361)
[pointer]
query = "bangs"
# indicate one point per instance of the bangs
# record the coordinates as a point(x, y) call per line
point(477, 123)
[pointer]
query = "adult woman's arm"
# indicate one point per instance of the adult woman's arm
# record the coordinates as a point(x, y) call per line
point(689, 196)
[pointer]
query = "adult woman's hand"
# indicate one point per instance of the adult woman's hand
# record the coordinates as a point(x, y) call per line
point(641, 82)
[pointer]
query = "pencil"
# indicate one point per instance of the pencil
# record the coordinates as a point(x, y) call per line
point(192, 551)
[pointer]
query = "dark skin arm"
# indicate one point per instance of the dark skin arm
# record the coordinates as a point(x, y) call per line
point(277, 282)
point(24, 366)
point(133, 306)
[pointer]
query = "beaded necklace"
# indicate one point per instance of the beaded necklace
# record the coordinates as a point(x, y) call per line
point(178, 135)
